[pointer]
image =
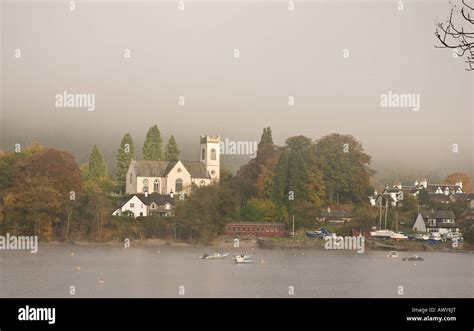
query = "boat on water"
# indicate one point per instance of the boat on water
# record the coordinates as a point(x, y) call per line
point(398, 236)
point(392, 255)
point(214, 256)
point(243, 258)
point(317, 233)
point(413, 258)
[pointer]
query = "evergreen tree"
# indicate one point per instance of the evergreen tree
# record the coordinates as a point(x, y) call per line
point(153, 146)
point(266, 138)
point(97, 167)
point(172, 151)
point(126, 154)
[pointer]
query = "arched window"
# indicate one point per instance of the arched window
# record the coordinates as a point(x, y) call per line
point(213, 154)
point(178, 185)
point(145, 189)
point(131, 178)
point(156, 186)
point(145, 182)
point(203, 154)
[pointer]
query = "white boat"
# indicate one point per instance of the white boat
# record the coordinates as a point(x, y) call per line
point(382, 233)
point(422, 237)
point(214, 256)
point(392, 255)
point(398, 236)
point(243, 258)
point(435, 236)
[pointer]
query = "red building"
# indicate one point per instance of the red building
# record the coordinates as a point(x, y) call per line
point(256, 229)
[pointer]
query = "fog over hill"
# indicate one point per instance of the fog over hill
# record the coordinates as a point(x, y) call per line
point(336, 59)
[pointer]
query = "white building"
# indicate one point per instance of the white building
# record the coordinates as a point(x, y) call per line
point(397, 191)
point(137, 205)
point(435, 221)
point(167, 177)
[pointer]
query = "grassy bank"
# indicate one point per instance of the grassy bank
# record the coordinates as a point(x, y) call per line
point(387, 245)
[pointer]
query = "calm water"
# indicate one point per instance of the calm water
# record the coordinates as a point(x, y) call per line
point(159, 272)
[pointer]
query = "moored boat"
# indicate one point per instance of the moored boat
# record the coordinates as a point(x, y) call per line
point(382, 233)
point(413, 258)
point(214, 256)
point(317, 233)
point(243, 258)
point(392, 255)
point(398, 236)
point(422, 236)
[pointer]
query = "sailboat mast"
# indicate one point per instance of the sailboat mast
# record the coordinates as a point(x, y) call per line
point(396, 221)
point(386, 209)
point(380, 215)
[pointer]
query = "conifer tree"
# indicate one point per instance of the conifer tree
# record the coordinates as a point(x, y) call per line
point(97, 167)
point(172, 151)
point(126, 154)
point(153, 146)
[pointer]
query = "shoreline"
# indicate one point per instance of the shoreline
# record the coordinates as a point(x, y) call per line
point(300, 242)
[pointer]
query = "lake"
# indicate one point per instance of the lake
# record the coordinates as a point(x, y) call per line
point(139, 272)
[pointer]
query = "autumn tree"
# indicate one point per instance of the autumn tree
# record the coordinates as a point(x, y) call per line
point(172, 151)
point(297, 175)
point(345, 166)
point(153, 146)
point(462, 177)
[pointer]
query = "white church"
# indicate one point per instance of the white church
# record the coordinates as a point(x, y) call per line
point(169, 177)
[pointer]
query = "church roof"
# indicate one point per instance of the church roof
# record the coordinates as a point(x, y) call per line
point(145, 168)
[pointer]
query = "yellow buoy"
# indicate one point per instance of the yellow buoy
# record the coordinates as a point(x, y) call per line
point(72, 253)
point(261, 261)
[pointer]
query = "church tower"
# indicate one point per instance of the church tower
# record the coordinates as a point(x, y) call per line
point(210, 155)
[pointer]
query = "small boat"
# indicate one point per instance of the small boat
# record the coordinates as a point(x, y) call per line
point(214, 256)
point(413, 258)
point(435, 236)
point(317, 233)
point(392, 255)
point(382, 233)
point(243, 258)
point(398, 236)
point(422, 237)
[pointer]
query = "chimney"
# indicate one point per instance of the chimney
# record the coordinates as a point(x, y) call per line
point(146, 194)
point(171, 194)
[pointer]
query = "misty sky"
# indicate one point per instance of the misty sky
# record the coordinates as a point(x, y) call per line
point(191, 53)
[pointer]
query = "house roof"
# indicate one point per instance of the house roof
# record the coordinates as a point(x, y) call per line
point(145, 168)
point(465, 196)
point(438, 214)
point(441, 197)
point(159, 199)
point(434, 187)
